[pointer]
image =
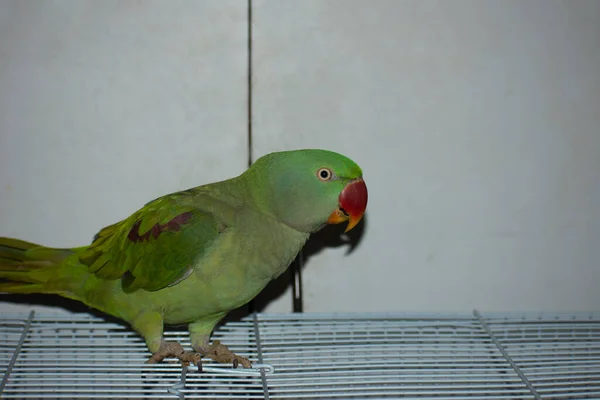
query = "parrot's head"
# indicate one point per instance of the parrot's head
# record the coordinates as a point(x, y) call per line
point(306, 189)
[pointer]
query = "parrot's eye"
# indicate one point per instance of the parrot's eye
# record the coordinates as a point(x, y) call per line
point(324, 174)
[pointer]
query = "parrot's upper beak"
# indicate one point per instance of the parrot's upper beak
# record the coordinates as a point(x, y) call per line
point(352, 204)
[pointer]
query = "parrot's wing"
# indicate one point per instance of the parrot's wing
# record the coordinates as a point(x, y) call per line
point(154, 248)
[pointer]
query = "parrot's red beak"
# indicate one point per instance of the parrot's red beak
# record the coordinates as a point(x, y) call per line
point(352, 204)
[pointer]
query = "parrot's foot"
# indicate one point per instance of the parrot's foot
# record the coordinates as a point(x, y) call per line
point(221, 354)
point(174, 349)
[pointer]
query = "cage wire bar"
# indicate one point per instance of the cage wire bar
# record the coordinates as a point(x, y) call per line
point(316, 356)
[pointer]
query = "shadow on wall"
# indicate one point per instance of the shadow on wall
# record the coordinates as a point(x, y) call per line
point(330, 236)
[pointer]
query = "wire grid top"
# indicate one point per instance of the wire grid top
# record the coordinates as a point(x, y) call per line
point(442, 356)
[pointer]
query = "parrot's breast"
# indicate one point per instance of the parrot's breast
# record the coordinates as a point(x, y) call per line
point(237, 267)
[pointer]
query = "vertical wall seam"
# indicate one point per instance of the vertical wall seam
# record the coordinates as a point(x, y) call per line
point(249, 82)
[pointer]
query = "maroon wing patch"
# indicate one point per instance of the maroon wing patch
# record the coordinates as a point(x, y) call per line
point(173, 225)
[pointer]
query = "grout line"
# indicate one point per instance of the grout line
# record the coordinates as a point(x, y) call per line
point(263, 376)
point(249, 52)
point(505, 354)
point(15, 355)
point(250, 305)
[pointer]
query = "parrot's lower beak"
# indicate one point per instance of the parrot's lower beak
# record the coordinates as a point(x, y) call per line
point(352, 204)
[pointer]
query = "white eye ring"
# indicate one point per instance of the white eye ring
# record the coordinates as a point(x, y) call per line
point(324, 174)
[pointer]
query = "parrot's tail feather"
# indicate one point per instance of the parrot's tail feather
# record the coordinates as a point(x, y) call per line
point(26, 267)
point(21, 288)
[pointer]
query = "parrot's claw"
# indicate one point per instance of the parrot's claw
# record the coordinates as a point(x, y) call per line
point(174, 349)
point(221, 354)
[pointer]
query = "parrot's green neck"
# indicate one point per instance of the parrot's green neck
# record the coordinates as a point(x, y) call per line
point(280, 192)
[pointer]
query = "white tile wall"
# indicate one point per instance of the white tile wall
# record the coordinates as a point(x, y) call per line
point(475, 122)
point(477, 127)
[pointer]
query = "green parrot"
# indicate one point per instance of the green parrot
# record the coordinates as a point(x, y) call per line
point(190, 257)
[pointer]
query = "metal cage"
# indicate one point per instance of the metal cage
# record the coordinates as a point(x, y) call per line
point(317, 356)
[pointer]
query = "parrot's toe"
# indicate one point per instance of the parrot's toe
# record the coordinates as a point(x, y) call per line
point(221, 354)
point(174, 349)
